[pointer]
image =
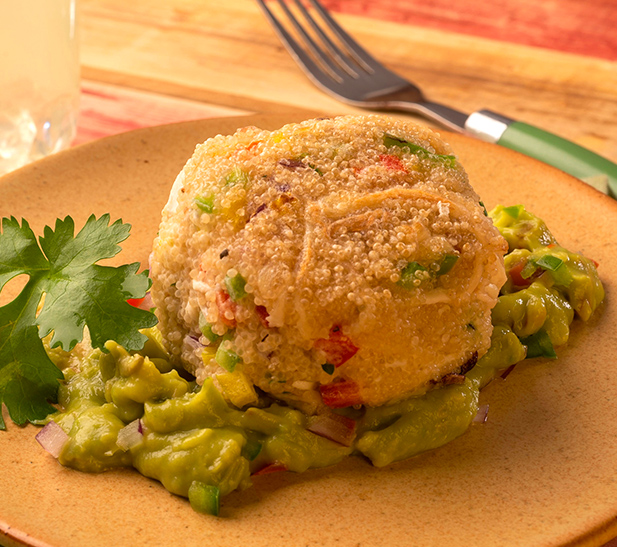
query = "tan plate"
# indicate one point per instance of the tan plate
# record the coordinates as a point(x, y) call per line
point(541, 471)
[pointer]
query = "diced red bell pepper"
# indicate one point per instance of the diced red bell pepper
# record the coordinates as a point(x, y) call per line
point(263, 315)
point(337, 347)
point(392, 162)
point(135, 302)
point(516, 272)
point(341, 394)
point(225, 304)
point(274, 467)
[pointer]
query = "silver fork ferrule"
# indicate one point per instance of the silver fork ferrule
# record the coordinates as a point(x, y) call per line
point(487, 126)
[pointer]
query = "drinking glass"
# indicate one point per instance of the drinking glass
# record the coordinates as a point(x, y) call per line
point(39, 79)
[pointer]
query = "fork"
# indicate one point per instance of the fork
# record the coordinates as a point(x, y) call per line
point(338, 65)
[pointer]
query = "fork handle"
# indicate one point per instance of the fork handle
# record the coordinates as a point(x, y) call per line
point(544, 146)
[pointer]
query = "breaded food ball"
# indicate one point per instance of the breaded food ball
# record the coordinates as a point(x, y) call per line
point(333, 262)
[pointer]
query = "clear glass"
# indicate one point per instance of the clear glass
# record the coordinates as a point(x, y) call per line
point(39, 79)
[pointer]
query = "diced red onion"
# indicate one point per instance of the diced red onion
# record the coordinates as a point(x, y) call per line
point(191, 341)
point(481, 415)
point(52, 438)
point(130, 436)
point(339, 429)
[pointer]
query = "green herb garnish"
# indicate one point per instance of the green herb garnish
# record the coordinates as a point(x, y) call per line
point(235, 287)
point(447, 264)
point(66, 292)
point(206, 329)
point(205, 203)
point(391, 140)
point(539, 344)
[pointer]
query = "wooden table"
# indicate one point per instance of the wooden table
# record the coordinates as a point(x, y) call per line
point(549, 63)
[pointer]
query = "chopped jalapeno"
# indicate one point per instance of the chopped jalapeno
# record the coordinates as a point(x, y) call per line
point(251, 449)
point(514, 210)
point(204, 498)
point(409, 274)
point(529, 269)
point(227, 358)
point(206, 329)
point(391, 140)
point(447, 264)
point(236, 176)
point(549, 262)
point(205, 203)
point(539, 344)
point(414, 273)
point(235, 287)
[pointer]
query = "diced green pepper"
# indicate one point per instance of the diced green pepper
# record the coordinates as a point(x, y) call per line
point(528, 270)
point(236, 176)
point(409, 274)
point(549, 262)
point(204, 498)
point(205, 203)
point(391, 140)
point(539, 345)
point(514, 210)
point(447, 264)
point(328, 368)
point(227, 358)
point(206, 329)
point(251, 449)
point(235, 287)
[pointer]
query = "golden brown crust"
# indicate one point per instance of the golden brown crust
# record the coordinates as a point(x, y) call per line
point(321, 218)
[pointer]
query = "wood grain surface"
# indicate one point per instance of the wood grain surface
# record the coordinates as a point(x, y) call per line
point(225, 54)
point(573, 26)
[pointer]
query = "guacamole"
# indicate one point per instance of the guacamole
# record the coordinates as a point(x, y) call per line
point(122, 409)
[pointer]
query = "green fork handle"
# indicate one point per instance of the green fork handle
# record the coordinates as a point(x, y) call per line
point(544, 146)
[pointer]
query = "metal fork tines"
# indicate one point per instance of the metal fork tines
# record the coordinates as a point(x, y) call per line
point(337, 64)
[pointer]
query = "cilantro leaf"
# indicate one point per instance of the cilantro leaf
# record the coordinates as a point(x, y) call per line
point(75, 293)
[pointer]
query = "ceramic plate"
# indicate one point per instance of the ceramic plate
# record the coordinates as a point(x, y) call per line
point(541, 471)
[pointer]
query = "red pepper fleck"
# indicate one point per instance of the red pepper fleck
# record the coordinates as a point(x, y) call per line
point(224, 303)
point(263, 315)
point(337, 347)
point(392, 162)
point(515, 274)
point(341, 394)
point(274, 467)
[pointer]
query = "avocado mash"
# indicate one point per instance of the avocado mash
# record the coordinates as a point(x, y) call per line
point(122, 408)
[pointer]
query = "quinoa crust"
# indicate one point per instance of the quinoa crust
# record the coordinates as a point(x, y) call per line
point(341, 230)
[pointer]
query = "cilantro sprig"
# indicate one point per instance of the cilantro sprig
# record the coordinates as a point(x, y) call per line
point(75, 292)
